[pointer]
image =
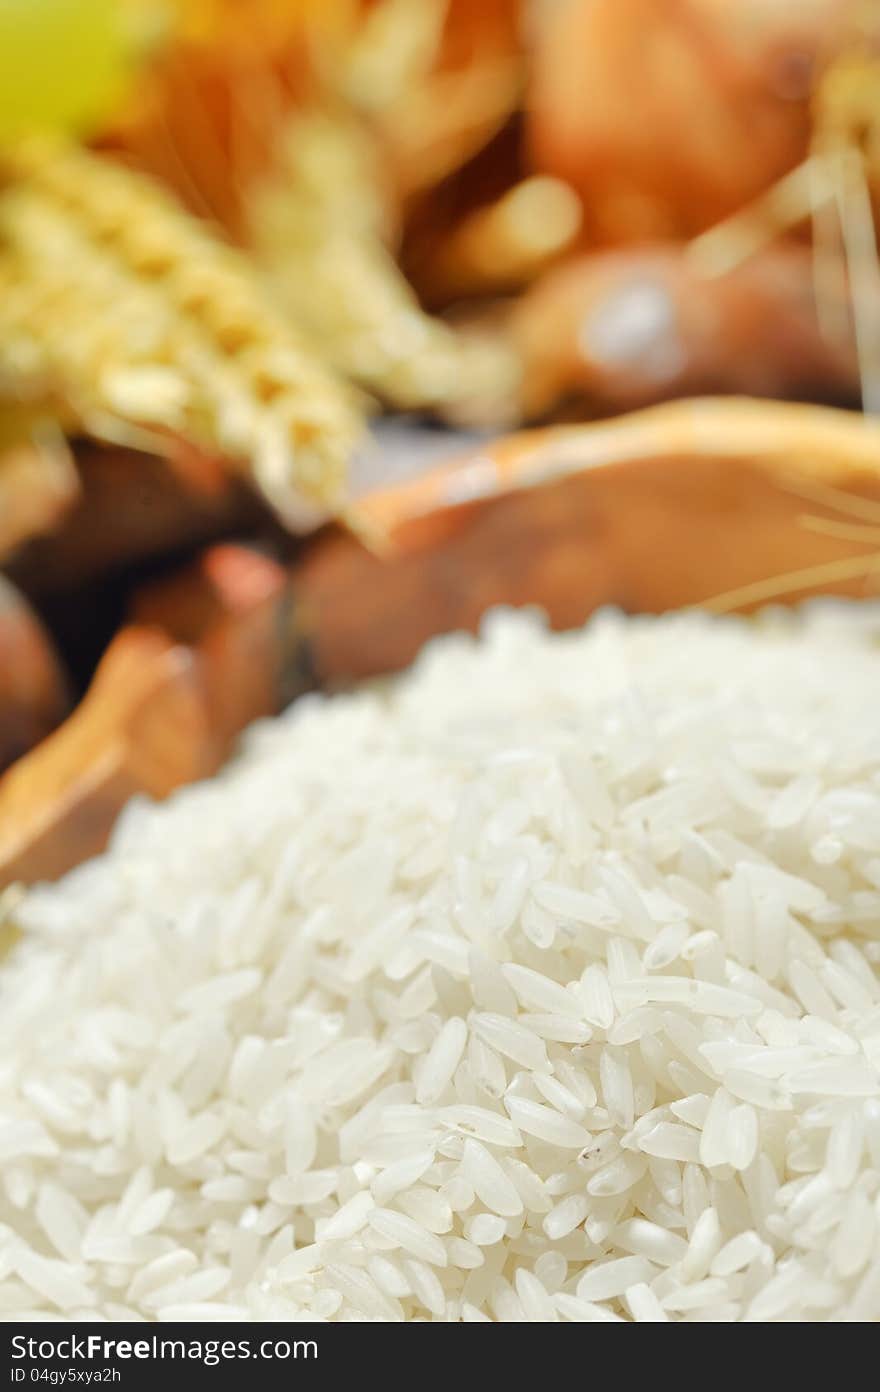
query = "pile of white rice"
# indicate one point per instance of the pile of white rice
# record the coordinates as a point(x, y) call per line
point(543, 985)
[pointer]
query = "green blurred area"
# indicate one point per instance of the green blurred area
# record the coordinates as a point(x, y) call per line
point(63, 64)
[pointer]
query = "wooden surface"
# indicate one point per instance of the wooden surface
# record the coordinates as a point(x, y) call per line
point(34, 693)
point(616, 330)
point(234, 608)
point(38, 485)
point(131, 507)
point(670, 507)
point(648, 533)
point(200, 661)
point(140, 729)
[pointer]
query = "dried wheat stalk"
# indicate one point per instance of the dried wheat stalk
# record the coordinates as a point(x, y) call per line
point(131, 315)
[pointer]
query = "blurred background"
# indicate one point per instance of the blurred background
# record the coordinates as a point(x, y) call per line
point(267, 264)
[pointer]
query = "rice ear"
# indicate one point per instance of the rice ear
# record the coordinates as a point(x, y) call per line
point(319, 226)
point(132, 314)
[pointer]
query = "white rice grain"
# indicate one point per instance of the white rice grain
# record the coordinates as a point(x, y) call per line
point(541, 983)
point(441, 1061)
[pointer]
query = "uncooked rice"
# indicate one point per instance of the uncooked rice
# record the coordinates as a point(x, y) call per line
point(540, 984)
